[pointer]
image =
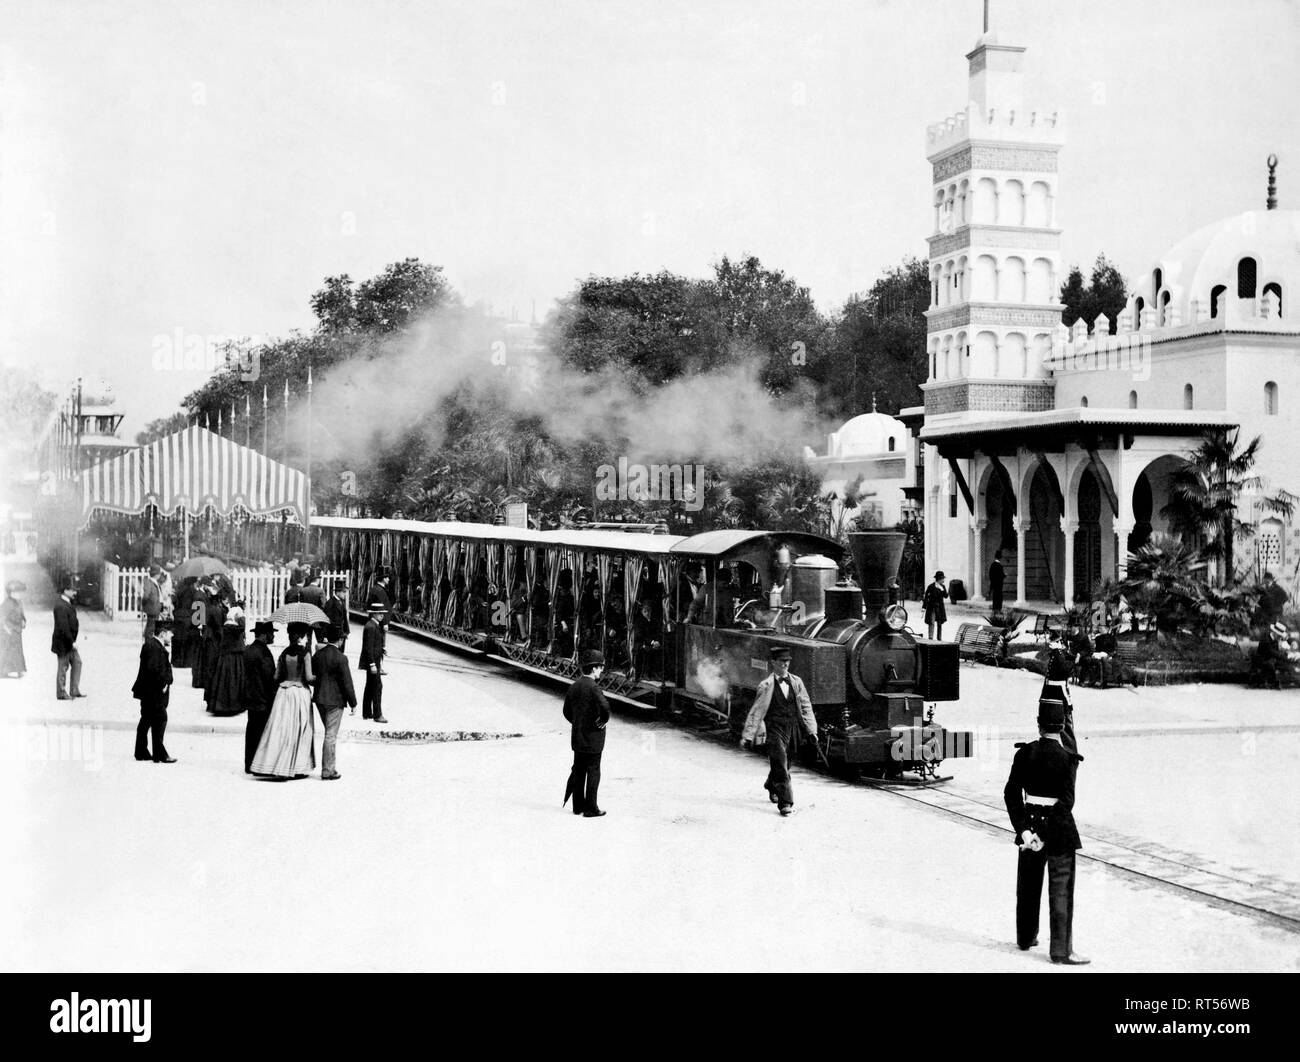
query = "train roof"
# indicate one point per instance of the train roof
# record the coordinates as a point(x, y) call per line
point(721, 544)
point(615, 541)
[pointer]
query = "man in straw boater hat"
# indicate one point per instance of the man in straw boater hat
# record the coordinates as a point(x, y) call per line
point(152, 689)
point(372, 655)
point(259, 688)
point(782, 706)
point(1039, 795)
point(588, 710)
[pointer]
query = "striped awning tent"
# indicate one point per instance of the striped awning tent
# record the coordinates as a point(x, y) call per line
point(189, 471)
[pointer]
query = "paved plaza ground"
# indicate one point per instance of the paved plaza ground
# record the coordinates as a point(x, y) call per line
point(456, 854)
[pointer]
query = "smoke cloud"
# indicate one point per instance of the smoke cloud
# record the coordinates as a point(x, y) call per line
point(712, 418)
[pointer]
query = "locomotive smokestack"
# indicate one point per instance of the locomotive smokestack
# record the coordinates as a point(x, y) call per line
point(877, 555)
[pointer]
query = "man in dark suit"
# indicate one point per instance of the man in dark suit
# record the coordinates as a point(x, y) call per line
point(63, 644)
point(588, 710)
point(1039, 796)
point(382, 595)
point(996, 578)
point(311, 591)
point(259, 688)
point(153, 690)
point(333, 690)
point(337, 611)
point(372, 653)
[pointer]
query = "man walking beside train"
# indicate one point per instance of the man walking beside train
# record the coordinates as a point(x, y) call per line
point(782, 706)
point(1039, 795)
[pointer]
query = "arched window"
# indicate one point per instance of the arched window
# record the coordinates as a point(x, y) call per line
point(1083, 402)
point(1132, 400)
point(1274, 288)
point(891, 444)
point(1216, 294)
point(1187, 396)
point(1157, 282)
point(1270, 398)
point(1269, 545)
point(1138, 307)
point(1246, 278)
point(1164, 308)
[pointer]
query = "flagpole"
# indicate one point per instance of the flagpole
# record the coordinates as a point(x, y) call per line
point(248, 421)
point(286, 420)
point(306, 516)
point(266, 450)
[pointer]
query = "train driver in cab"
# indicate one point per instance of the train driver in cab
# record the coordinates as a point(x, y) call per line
point(720, 593)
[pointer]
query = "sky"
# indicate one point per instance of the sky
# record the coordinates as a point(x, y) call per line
point(190, 169)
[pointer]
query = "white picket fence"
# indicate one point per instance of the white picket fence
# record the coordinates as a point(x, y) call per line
point(261, 591)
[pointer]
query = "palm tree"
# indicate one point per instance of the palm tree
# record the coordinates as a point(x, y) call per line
point(1206, 491)
point(787, 506)
point(1162, 582)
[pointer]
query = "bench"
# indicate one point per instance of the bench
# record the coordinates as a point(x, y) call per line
point(975, 641)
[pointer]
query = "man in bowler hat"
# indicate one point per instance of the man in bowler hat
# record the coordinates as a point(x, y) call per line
point(337, 611)
point(153, 690)
point(782, 706)
point(333, 690)
point(372, 655)
point(588, 710)
point(63, 644)
point(259, 688)
point(1039, 796)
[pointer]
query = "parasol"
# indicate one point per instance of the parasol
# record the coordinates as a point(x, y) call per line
point(299, 612)
point(199, 567)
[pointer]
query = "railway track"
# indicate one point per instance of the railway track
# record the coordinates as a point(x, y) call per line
point(1275, 899)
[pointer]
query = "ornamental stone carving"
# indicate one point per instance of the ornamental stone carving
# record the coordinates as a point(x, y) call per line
point(981, 236)
point(1011, 397)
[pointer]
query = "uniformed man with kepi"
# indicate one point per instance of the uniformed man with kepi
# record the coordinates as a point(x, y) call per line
point(1040, 800)
point(782, 705)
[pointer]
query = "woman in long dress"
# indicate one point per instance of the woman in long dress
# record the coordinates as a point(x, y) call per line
point(185, 641)
point(285, 750)
point(228, 678)
point(210, 650)
point(12, 622)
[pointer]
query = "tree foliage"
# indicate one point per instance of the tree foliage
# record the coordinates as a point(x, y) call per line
point(1105, 291)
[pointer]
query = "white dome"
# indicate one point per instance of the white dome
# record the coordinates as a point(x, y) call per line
point(1208, 258)
point(868, 433)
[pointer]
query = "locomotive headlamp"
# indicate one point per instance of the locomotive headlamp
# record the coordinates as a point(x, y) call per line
point(895, 617)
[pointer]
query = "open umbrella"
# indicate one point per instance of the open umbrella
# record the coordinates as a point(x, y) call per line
point(199, 567)
point(299, 612)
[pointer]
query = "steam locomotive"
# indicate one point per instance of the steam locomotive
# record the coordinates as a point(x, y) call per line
point(674, 643)
point(868, 676)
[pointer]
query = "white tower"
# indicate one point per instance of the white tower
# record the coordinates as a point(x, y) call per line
point(995, 270)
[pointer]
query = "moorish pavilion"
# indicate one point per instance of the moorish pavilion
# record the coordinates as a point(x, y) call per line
point(1057, 445)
